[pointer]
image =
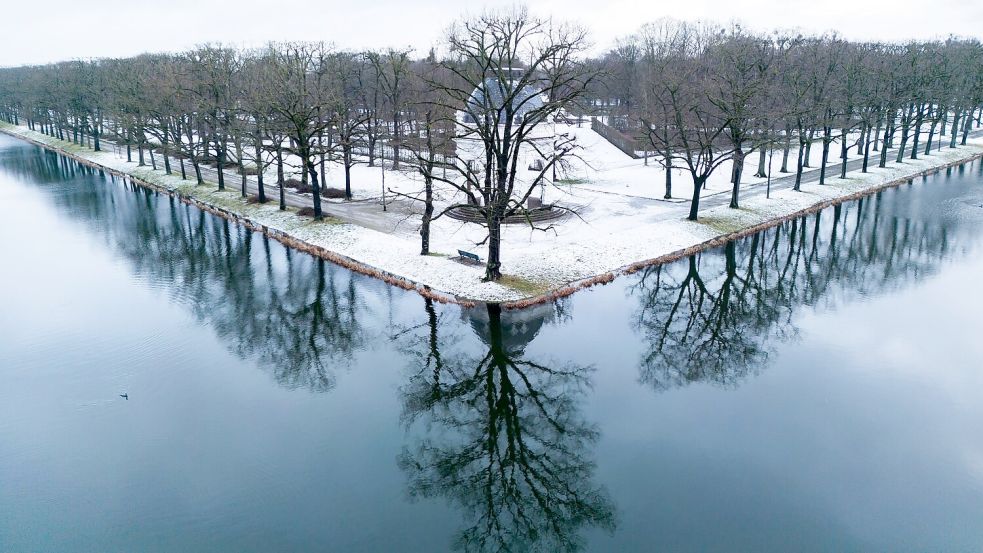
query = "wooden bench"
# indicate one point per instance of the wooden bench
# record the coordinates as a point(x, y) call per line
point(469, 256)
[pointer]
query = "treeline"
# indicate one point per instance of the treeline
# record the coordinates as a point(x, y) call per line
point(699, 95)
point(246, 109)
point(301, 105)
point(696, 95)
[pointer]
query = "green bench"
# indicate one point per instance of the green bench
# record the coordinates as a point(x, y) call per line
point(469, 256)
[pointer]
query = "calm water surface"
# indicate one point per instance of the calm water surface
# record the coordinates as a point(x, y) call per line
point(816, 387)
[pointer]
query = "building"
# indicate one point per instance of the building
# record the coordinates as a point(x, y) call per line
point(485, 108)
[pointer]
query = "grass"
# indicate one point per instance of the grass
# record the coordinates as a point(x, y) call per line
point(523, 285)
point(723, 225)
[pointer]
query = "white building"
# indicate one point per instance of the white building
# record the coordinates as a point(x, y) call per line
point(485, 106)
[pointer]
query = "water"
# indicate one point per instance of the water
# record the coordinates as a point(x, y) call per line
point(815, 387)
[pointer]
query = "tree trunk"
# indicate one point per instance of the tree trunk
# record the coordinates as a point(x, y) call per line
point(242, 176)
point(931, 135)
point(95, 135)
point(955, 128)
point(279, 177)
point(315, 186)
point(372, 139)
point(427, 216)
point(694, 205)
point(197, 166)
point(788, 146)
point(761, 173)
point(220, 151)
point(348, 171)
point(867, 150)
point(738, 168)
point(808, 146)
point(324, 181)
point(905, 126)
point(798, 167)
point(885, 144)
point(395, 140)
point(261, 190)
point(919, 119)
point(493, 268)
point(668, 179)
point(844, 153)
point(167, 157)
point(827, 131)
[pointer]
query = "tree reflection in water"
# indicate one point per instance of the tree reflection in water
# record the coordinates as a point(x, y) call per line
point(718, 315)
point(500, 435)
point(495, 432)
point(298, 316)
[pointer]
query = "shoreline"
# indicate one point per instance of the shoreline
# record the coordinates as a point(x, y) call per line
point(195, 196)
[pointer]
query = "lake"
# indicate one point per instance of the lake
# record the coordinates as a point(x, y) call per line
point(814, 387)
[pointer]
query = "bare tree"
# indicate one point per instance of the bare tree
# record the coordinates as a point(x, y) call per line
point(430, 142)
point(692, 126)
point(513, 73)
point(301, 100)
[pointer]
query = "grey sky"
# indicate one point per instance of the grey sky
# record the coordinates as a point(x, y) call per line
point(51, 30)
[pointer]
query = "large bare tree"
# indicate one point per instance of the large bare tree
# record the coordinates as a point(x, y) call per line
point(302, 102)
point(512, 74)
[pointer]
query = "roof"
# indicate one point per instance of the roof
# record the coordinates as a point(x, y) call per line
point(524, 101)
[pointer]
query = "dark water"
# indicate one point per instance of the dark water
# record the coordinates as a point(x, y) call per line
point(816, 387)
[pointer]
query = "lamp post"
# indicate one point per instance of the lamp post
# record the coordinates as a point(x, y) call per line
point(382, 165)
point(771, 152)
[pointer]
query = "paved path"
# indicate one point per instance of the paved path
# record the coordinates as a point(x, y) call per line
point(367, 213)
point(787, 181)
point(399, 217)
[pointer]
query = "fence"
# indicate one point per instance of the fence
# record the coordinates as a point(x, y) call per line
point(620, 141)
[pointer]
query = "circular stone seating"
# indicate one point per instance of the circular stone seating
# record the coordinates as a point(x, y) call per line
point(536, 215)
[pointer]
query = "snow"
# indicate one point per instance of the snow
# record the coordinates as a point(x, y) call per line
point(622, 219)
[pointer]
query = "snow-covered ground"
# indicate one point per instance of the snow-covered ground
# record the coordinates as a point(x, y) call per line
point(623, 220)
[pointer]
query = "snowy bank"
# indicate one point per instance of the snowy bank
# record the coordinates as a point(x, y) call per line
point(615, 234)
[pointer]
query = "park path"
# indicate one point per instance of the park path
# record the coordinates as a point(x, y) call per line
point(368, 212)
point(787, 181)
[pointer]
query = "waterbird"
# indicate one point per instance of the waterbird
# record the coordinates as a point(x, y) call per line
point(125, 396)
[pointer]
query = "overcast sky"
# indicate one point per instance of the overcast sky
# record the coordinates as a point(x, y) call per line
point(42, 31)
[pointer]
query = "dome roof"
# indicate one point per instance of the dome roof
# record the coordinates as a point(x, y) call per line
point(490, 98)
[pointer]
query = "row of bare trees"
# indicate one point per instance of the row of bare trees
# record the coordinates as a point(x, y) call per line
point(300, 105)
point(701, 95)
point(697, 95)
point(228, 107)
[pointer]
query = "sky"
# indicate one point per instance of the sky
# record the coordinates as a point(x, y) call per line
point(42, 31)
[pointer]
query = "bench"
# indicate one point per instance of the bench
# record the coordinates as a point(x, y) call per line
point(469, 256)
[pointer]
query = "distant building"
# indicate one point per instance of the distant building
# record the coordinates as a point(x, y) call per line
point(485, 104)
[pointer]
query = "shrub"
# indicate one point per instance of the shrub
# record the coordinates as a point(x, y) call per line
point(300, 187)
point(228, 164)
point(306, 212)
